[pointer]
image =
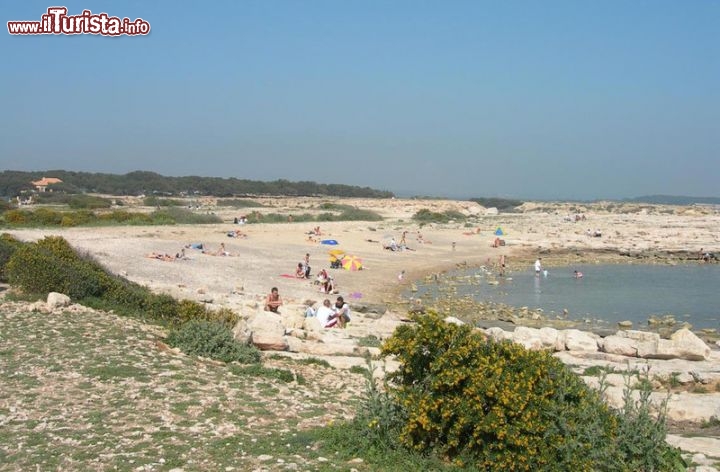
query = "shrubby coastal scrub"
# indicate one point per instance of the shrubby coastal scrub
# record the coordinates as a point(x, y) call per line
point(471, 402)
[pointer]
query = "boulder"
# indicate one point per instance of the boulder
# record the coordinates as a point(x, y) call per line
point(576, 340)
point(372, 310)
point(241, 331)
point(453, 320)
point(550, 339)
point(492, 211)
point(498, 334)
point(268, 332)
point(646, 343)
point(57, 300)
point(683, 344)
point(527, 337)
point(293, 320)
point(619, 345)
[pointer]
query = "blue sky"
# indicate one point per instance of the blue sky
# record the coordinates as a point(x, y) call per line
point(558, 99)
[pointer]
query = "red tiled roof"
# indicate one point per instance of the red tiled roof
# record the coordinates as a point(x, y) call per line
point(45, 181)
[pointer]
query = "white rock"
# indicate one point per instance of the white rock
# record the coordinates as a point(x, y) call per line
point(550, 339)
point(619, 345)
point(683, 344)
point(268, 332)
point(241, 331)
point(527, 337)
point(57, 300)
point(498, 334)
point(453, 320)
point(576, 340)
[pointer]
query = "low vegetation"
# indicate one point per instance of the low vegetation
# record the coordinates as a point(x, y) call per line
point(461, 400)
point(52, 265)
point(239, 203)
point(213, 340)
point(348, 214)
point(49, 217)
point(150, 183)
point(426, 216)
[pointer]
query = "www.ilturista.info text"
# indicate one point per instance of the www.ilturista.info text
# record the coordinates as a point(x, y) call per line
point(57, 21)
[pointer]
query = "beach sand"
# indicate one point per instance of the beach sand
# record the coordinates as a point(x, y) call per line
point(641, 233)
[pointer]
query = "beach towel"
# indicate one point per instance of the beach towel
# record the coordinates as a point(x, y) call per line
point(330, 242)
point(356, 295)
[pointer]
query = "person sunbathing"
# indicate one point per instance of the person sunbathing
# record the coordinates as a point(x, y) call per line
point(236, 234)
point(160, 257)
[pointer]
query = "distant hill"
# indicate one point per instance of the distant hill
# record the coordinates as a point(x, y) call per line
point(674, 200)
point(150, 183)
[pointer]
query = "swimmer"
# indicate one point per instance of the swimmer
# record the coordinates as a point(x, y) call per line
point(577, 275)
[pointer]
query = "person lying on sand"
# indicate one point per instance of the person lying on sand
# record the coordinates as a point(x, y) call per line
point(236, 233)
point(160, 257)
point(220, 252)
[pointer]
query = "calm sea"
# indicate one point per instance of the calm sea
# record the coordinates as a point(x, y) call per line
point(608, 292)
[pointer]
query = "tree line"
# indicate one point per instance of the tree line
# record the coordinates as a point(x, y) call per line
point(150, 183)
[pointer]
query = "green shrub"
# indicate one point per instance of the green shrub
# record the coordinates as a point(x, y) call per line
point(16, 217)
point(51, 265)
point(257, 370)
point(426, 216)
point(240, 203)
point(88, 202)
point(213, 340)
point(182, 216)
point(8, 246)
point(642, 431)
point(498, 406)
point(161, 202)
point(356, 214)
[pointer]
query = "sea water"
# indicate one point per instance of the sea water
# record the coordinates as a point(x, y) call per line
point(610, 293)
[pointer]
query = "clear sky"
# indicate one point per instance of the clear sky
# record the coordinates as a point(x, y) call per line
point(555, 99)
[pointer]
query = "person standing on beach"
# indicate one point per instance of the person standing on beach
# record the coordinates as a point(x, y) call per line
point(538, 266)
point(502, 265)
point(307, 265)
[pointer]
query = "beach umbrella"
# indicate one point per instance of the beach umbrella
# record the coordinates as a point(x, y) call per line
point(336, 254)
point(351, 263)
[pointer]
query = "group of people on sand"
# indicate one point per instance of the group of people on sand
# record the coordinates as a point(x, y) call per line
point(221, 251)
point(328, 315)
point(331, 315)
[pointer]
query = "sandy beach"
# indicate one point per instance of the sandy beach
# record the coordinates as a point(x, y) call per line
point(630, 233)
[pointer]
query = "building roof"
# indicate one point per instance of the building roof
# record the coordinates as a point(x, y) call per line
point(45, 181)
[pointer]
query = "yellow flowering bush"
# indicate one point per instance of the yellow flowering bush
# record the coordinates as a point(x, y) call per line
point(496, 405)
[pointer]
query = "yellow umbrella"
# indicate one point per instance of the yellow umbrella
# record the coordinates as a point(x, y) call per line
point(351, 263)
point(336, 254)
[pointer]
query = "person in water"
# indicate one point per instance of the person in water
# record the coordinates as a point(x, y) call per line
point(577, 275)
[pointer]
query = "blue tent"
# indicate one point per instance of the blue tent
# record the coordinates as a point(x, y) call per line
point(499, 232)
point(330, 242)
